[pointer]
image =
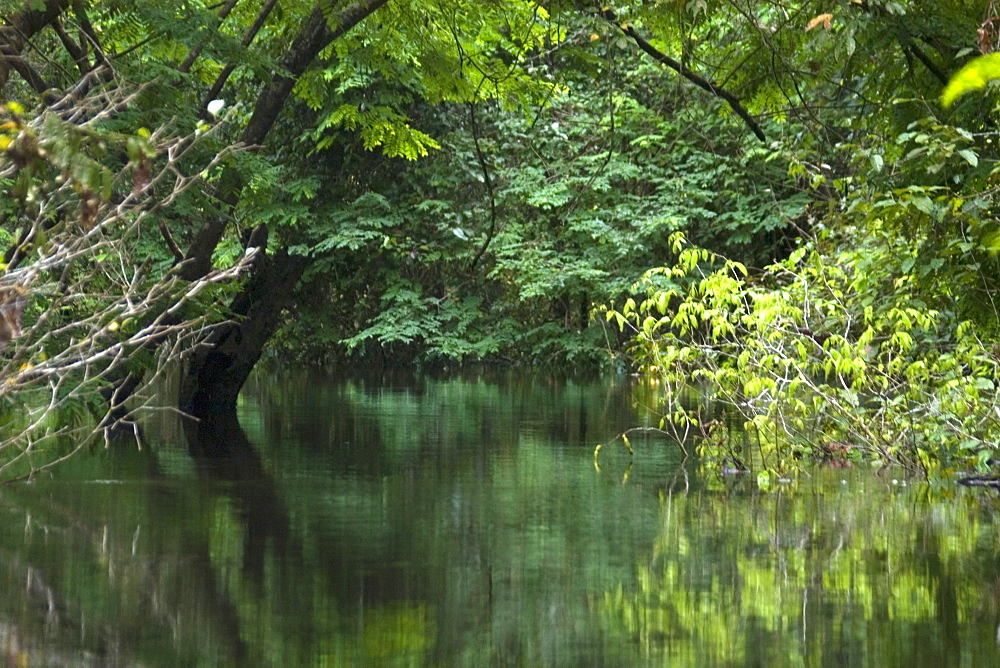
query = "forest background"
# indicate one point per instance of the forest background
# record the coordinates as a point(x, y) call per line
point(762, 205)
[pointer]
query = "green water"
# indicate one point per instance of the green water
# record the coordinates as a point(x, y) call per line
point(462, 522)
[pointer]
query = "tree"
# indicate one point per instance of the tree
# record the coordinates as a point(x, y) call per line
point(873, 340)
point(91, 183)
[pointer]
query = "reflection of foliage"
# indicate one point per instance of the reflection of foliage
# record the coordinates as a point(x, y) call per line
point(398, 633)
point(863, 571)
point(464, 495)
point(477, 534)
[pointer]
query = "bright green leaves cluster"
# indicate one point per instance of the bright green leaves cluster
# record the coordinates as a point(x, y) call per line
point(814, 358)
point(47, 151)
point(379, 126)
point(972, 77)
point(425, 50)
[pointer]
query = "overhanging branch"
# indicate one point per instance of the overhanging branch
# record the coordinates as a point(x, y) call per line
point(248, 38)
point(693, 77)
point(15, 33)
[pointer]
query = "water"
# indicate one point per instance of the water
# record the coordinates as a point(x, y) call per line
point(463, 522)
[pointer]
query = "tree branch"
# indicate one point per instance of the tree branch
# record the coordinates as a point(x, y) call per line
point(80, 10)
point(938, 73)
point(487, 181)
point(315, 35)
point(196, 51)
point(693, 77)
point(76, 52)
point(223, 77)
point(169, 240)
point(14, 35)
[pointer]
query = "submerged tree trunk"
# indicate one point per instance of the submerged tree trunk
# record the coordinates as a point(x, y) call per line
point(217, 368)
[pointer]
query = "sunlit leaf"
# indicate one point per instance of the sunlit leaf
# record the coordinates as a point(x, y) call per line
point(973, 76)
point(970, 156)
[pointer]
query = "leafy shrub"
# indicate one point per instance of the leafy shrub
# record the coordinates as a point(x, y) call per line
point(816, 359)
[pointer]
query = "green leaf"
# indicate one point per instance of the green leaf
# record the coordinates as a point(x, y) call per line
point(923, 203)
point(970, 156)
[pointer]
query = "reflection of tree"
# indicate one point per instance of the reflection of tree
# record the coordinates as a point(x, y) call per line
point(143, 568)
point(290, 592)
point(421, 526)
point(224, 455)
point(89, 577)
point(369, 533)
point(456, 473)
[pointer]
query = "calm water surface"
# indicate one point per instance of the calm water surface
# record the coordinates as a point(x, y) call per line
point(463, 522)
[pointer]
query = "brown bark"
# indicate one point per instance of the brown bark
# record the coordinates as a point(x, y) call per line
point(76, 51)
point(14, 36)
point(88, 33)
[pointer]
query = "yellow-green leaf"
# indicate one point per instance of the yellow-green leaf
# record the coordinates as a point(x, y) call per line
point(973, 76)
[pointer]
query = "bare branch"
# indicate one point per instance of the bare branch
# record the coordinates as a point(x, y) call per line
point(98, 311)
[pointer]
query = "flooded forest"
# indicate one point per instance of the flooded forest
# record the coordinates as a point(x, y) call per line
point(425, 332)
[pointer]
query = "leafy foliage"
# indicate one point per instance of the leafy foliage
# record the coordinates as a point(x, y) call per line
point(814, 363)
point(468, 181)
point(507, 237)
point(972, 77)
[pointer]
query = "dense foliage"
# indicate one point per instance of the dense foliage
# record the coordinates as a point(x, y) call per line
point(450, 182)
point(874, 338)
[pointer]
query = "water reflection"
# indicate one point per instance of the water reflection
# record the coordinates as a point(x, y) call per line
point(855, 570)
point(462, 522)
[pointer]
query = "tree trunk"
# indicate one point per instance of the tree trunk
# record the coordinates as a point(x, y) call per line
point(220, 364)
point(15, 33)
point(218, 367)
